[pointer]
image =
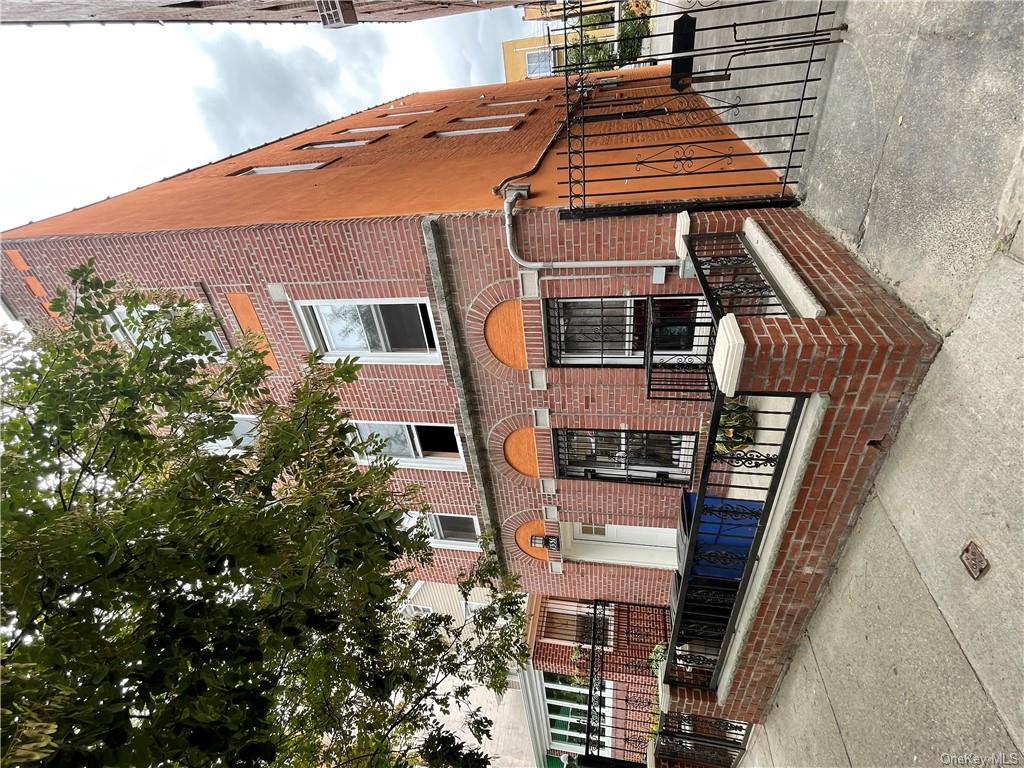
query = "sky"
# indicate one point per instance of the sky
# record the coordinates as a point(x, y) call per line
point(95, 110)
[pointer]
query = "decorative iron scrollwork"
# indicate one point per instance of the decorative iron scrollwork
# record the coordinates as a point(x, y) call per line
point(750, 458)
point(729, 511)
point(719, 556)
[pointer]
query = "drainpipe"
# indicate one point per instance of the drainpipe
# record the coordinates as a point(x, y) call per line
point(513, 193)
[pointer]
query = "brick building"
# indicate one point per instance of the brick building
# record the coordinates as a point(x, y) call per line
point(594, 320)
point(331, 13)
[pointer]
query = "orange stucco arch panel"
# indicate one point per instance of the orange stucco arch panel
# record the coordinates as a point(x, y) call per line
point(523, 534)
point(520, 451)
point(503, 331)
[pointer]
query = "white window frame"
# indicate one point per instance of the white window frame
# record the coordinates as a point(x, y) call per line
point(403, 114)
point(484, 118)
point(469, 609)
point(341, 143)
point(418, 460)
point(471, 131)
point(117, 325)
point(549, 61)
point(605, 736)
point(266, 170)
point(226, 445)
point(412, 518)
point(491, 104)
point(368, 357)
point(373, 128)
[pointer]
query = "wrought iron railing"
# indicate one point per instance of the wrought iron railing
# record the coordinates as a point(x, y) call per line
point(622, 645)
point(721, 527)
point(623, 712)
point(710, 742)
point(732, 279)
point(733, 282)
point(726, 116)
point(675, 371)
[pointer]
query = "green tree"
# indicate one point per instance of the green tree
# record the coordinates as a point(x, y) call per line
point(168, 603)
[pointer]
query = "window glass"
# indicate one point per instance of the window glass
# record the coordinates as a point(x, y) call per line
point(395, 437)
point(455, 527)
point(437, 441)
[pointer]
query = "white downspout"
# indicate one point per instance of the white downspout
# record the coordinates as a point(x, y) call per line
point(512, 195)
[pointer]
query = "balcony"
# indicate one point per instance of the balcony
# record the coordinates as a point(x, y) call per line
point(619, 644)
point(721, 526)
point(734, 282)
point(702, 102)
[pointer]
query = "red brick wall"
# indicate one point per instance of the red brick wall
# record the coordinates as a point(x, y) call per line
point(868, 354)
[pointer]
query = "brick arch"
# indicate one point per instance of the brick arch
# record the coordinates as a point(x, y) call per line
point(476, 315)
point(496, 444)
point(521, 562)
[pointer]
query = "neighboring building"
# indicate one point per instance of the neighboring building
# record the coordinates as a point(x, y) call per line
point(531, 57)
point(598, 325)
point(331, 13)
point(510, 744)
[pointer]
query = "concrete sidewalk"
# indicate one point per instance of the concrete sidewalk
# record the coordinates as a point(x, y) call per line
point(917, 168)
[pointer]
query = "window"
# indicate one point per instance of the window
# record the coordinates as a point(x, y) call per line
point(448, 531)
point(374, 128)
point(418, 610)
point(262, 170)
point(483, 118)
point(567, 703)
point(573, 623)
point(403, 114)
point(538, 63)
point(614, 331)
point(471, 608)
point(509, 103)
point(244, 432)
point(469, 131)
point(126, 329)
point(342, 143)
point(659, 458)
point(387, 331)
point(595, 531)
point(429, 446)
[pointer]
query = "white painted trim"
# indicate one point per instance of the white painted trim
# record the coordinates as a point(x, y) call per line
point(799, 457)
point(369, 358)
point(780, 272)
point(683, 246)
point(728, 357)
point(422, 462)
point(266, 170)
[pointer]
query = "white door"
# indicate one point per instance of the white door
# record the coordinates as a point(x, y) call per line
point(620, 544)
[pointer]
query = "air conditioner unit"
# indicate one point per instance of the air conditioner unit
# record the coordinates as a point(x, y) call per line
point(335, 14)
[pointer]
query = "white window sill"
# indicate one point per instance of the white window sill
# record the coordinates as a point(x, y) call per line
point(393, 358)
point(441, 465)
point(473, 546)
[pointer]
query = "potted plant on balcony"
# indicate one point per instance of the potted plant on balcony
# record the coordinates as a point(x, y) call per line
point(737, 425)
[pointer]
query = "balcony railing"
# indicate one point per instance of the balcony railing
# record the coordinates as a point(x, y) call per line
point(721, 527)
point(733, 282)
point(725, 117)
point(621, 645)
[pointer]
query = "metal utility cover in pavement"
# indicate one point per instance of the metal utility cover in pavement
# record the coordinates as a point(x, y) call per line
point(974, 560)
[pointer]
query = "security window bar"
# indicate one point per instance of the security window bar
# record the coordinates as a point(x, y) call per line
point(602, 332)
point(652, 458)
point(614, 331)
point(386, 329)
